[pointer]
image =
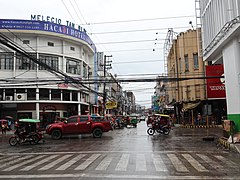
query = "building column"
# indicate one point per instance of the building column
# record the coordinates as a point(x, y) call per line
point(231, 59)
point(37, 110)
point(79, 104)
point(37, 104)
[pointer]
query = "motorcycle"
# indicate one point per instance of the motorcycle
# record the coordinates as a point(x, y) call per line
point(32, 135)
point(32, 138)
point(159, 127)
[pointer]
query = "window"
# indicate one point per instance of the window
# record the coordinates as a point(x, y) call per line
point(72, 120)
point(72, 48)
point(83, 118)
point(31, 94)
point(66, 95)
point(180, 65)
point(44, 94)
point(50, 44)
point(56, 94)
point(195, 61)
point(84, 70)
point(51, 61)
point(6, 61)
point(74, 96)
point(22, 62)
point(186, 63)
point(26, 41)
point(73, 66)
point(1, 94)
point(197, 90)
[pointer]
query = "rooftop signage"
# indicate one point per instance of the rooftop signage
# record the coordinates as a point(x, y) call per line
point(50, 25)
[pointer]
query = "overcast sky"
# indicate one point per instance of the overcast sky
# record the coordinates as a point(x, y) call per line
point(125, 29)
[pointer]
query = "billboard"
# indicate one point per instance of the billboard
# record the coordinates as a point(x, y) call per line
point(215, 86)
point(11, 24)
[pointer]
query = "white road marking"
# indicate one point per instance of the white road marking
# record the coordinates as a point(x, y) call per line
point(50, 165)
point(71, 162)
point(113, 176)
point(8, 159)
point(227, 161)
point(123, 162)
point(15, 161)
point(23, 163)
point(158, 163)
point(27, 168)
point(177, 163)
point(86, 163)
point(141, 163)
point(212, 163)
point(104, 163)
point(194, 163)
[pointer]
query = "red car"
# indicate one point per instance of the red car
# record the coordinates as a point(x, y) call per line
point(83, 124)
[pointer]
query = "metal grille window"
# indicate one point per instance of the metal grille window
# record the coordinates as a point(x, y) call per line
point(23, 62)
point(73, 66)
point(195, 61)
point(6, 60)
point(51, 61)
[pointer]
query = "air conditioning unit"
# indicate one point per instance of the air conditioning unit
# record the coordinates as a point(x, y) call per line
point(20, 97)
point(8, 98)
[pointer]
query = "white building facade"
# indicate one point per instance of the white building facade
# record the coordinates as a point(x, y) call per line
point(221, 35)
point(28, 90)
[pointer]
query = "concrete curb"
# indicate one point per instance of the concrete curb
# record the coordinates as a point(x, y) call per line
point(201, 126)
point(223, 142)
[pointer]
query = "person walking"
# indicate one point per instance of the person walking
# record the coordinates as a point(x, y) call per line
point(198, 120)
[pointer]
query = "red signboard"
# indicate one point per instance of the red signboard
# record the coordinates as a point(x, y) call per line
point(215, 86)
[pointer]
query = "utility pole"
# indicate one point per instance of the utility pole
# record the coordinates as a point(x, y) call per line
point(106, 65)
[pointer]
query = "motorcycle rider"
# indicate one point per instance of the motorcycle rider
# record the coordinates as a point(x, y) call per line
point(163, 122)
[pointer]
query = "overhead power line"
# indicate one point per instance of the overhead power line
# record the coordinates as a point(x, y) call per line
point(137, 20)
point(137, 30)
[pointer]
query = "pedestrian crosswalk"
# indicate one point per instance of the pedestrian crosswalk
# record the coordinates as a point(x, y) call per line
point(118, 162)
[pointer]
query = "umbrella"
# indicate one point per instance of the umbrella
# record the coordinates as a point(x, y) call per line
point(29, 120)
point(3, 120)
point(8, 117)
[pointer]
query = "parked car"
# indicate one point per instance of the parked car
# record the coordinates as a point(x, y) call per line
point(80, 124)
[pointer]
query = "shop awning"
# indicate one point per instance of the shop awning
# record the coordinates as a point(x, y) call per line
point(189, 106)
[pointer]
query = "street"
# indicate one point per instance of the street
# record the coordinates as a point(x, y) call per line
point(127, 153)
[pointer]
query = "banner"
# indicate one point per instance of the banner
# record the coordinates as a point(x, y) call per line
point(12, 24)
point(215, 86)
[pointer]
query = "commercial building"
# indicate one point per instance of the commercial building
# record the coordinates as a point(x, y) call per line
point(186, 87)
point(220, 21)
point(30, 90)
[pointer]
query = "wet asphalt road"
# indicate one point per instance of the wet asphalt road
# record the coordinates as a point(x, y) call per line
point(127, 153)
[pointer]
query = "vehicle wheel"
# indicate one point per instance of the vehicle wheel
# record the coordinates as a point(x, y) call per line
point(135, 125)
point(13, 141)
point(166, 131)
point(97, 133)
point(56, 134)
point(150, 131)
point(34, 139)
